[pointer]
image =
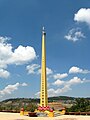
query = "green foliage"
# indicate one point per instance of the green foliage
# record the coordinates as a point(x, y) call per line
point(18, 103)
point(30, 107)
point(51, 99)
point(82, 105)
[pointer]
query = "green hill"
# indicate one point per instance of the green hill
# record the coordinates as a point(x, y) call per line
point(15, 104)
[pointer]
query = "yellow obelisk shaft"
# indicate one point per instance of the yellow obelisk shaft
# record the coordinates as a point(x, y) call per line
point(43, 93)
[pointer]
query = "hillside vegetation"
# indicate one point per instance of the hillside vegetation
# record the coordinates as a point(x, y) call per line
point(15, 104)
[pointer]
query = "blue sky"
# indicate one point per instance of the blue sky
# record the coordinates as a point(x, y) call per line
point(67, 26)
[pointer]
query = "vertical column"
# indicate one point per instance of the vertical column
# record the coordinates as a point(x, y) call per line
point(43, 94)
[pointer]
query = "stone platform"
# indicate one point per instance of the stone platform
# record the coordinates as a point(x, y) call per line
point(16, 116)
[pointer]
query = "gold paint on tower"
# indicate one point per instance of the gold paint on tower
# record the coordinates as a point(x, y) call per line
point(43, 93)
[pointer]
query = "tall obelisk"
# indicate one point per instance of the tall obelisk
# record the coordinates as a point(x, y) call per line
point(43, 93)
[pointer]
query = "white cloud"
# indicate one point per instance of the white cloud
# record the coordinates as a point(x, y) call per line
point(72, 81)
point(56, 92)
point(5, 53)
point(58, 82)
point(74, 35)
point(32, 69)
point(10, 88)
point(4, 73)
point(78, 70)
point(4, 39)
point(51, 92)
point(35, 68)
point(75, 80)
point(86, 80)
point(37, 94)
point(18, 56)
point(67, 85)
point(22, 55)
point(83, 15)
point(24, 84)
point(49, 71)
point(60, 76)
point(39, 71)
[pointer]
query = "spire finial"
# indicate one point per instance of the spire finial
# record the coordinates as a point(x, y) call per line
point(43, 30)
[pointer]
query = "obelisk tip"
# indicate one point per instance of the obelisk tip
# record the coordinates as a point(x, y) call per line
point(43, 30)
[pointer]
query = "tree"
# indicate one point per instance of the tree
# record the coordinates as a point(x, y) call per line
point(82, 105)
point(30, 107)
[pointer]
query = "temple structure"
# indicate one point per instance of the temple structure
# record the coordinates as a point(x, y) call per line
point(43, 93)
